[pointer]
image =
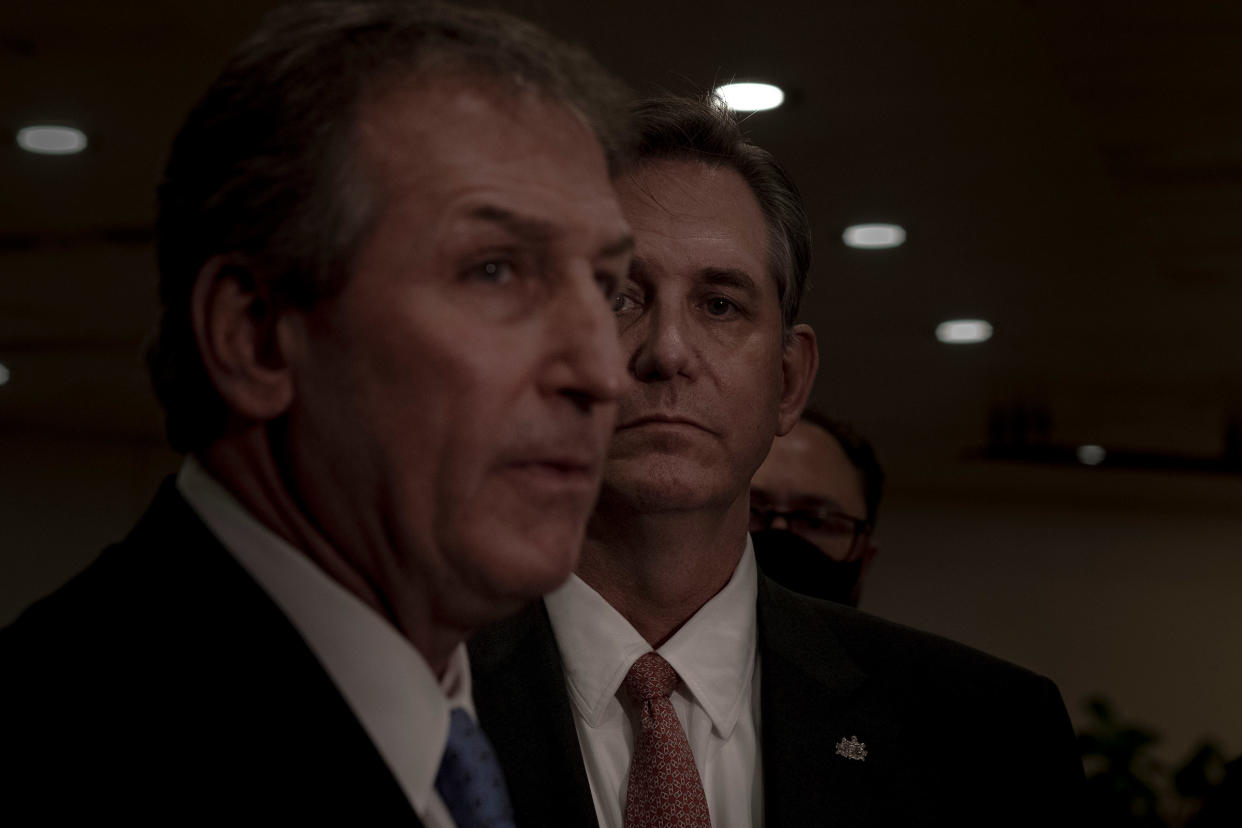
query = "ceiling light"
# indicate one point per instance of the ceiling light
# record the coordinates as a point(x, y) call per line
point(1091, 455)
point(874, 236)
point(963, 331)
point(4, 374)
point(750, 97)
point(51, 140)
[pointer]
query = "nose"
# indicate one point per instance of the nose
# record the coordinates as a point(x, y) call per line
point(662, 351)
point(588, 368)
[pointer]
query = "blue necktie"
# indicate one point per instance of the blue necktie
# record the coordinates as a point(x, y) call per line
point(469, 780)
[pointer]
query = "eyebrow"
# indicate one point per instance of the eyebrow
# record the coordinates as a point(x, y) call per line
point(534, 230)
point(625, 244)
point(722, 276)
point(524, 228)
point(728, 277)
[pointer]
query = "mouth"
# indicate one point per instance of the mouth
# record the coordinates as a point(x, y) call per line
point(663, 420)
point(559, 465)
point(557, 472)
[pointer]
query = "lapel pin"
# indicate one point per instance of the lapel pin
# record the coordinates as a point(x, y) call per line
point(851, 748)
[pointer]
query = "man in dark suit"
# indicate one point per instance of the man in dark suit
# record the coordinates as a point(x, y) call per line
point(759, 705)
point(387, 239)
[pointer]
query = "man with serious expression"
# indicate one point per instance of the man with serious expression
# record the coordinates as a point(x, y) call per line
point(712, 378)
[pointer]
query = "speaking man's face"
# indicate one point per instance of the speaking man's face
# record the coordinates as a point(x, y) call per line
point(454, 402)
point(700, 324)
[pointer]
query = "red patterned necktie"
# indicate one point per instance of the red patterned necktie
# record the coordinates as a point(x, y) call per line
point(664, 790)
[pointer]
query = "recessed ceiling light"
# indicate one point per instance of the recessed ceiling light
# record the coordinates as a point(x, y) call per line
point(750, 97)
point(51, 140)
point(963, 331)
point(1091, 455)
point(874, 236)
point(4, 374)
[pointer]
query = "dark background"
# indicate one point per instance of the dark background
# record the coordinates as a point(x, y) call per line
point(1069, 171)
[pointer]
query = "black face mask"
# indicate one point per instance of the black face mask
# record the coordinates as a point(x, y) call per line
point(798, 564)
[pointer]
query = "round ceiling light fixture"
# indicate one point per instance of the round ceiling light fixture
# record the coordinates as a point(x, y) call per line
point(963, 331)
point(874, 236)
point(750, 97)
point(1091, 455)
point(4, 374)
point(51, 140)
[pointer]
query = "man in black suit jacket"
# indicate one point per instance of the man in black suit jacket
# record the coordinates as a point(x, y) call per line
point(796, 711)
point(387, 239)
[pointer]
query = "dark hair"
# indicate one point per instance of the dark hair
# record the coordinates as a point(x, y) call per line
point(703, 129)
point(860, 453)
point(264, 167)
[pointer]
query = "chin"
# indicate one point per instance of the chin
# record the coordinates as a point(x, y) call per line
point(520, 566)
point(657, 487)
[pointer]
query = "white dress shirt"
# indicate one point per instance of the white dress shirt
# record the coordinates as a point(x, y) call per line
point(387, 683)
point(718, 702)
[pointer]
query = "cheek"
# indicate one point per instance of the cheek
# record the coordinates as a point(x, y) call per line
point(473, 410)
point(431, 423)
point(754, 378)
point(758, 397)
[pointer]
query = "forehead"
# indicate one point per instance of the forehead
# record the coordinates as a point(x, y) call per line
point(809, 464)
point(444, 140)
point(687, 215)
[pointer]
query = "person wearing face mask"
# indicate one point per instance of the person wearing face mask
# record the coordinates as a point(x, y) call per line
point(813, 506)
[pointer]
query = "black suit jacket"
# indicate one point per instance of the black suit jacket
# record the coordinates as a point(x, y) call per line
point(162, 685)
point(952, 736)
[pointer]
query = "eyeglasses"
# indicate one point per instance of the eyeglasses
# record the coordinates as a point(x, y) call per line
point(835, 533)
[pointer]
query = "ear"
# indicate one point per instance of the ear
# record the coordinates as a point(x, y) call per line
point(798, 366)
point(870, 550)
point(234, 321)
point(868, 555)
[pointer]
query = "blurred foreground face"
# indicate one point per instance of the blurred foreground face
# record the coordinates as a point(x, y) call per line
point(454, 402)
point(700, 324)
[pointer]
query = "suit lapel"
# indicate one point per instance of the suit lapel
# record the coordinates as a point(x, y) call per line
point(524, 707)
point(814, 698)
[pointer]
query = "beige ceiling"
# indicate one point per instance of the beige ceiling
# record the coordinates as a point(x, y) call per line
point(1070, 171)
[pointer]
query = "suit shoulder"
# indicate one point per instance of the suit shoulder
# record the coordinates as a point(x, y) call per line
point(68, 616)
point(120, 607)
point(889, 650)
point(114, 585)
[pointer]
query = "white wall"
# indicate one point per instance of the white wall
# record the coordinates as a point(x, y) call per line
point(1140, 602)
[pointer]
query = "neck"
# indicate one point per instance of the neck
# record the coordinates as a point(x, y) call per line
point(659, 569)
point(245, 464)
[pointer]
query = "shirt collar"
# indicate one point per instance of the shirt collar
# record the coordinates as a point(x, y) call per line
point(713, 652)
point(397, 698)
